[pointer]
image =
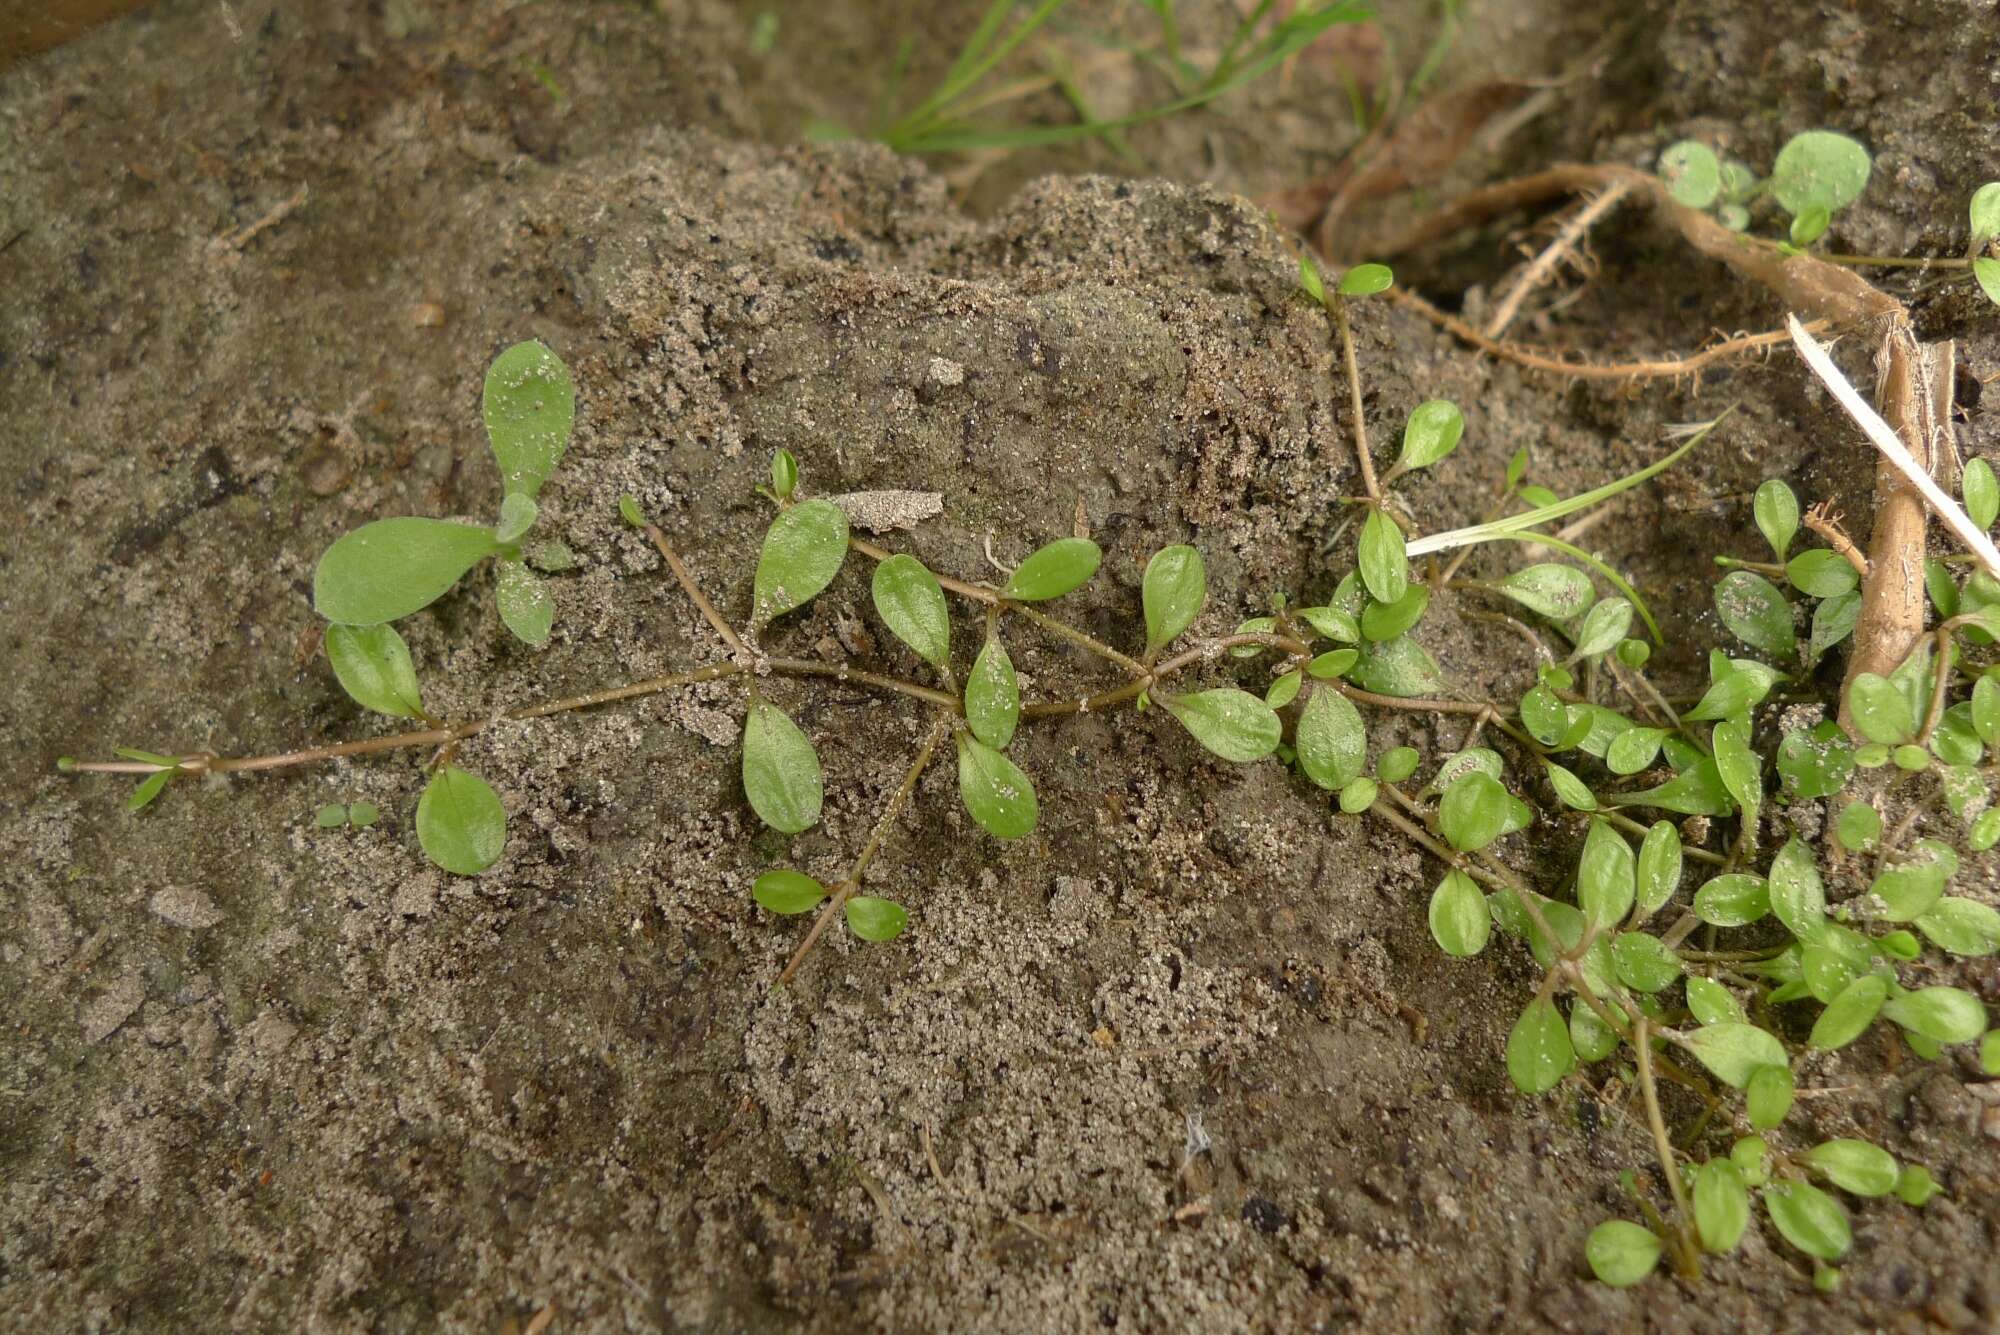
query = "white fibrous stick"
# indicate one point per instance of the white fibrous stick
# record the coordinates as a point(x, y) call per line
point(1886, 440)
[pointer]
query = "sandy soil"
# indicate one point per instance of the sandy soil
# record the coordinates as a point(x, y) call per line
point(1186, 1059)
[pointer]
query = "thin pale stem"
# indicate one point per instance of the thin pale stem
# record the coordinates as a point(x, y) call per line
point(853, 882)
point(1939, 684)
point(1063, 630)
point(805, 667)
point(1643, 1045)
point(694, 593)
point(1338, 305)
point(1414, 702)
point(1146, 678)
point(789, 667)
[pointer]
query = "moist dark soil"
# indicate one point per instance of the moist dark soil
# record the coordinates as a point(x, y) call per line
point(1186, 1058)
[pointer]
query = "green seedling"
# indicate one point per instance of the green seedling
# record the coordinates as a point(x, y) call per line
point(1621, 979)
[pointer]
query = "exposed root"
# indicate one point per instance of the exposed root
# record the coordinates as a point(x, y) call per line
point(1824, 520)
point(1563, 247)
point(1666, 369)
point(1913, 385)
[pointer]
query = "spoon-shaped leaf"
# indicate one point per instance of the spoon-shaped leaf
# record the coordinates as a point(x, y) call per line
point(373, 665)
point(781, 774)
point(802, 553)
point(1175, 586)
point(994, 790)
point(530, 406)
point(393, 567)
point(911, 604)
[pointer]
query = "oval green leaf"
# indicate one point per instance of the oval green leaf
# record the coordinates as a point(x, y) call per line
point(460, 822)
point(1331, 740)
point(786, 891)
point(1460, 922)
point(911, 605)
point(1809, 1219)
point(1175, 586)
point(1855, 1165)
point(874, 919)
point(1850, 1013)
point(1622, 1253)
point(1941, 1014)
point(1735, 899)
point(1385, 568)
point(1433, 431)
point(1777, 512)
point(995, 791)
point(525, 604)
point(1659, 869)
point(1385, 621)
point(1733, 1051)
point(373, 666)
point(1721, 1205)
point(1539, 1051)
point(1756, 613)
point(530, 406)
point(1557, 592)
point(802, 553)
point(1605, 875)
point(1233, 724)
point(992, 697)
point(1053, 570)
point(1692, 172)
point(1819, 168)
point(517, 515)
point(388, 569)
point(1365, 280)
point(781, 774)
